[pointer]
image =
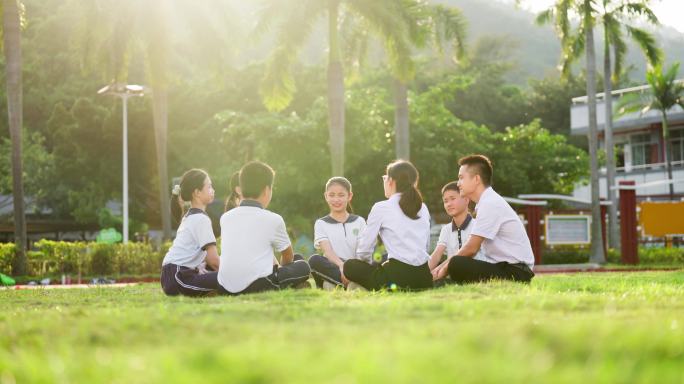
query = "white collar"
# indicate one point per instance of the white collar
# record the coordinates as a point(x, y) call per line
point(487, 192)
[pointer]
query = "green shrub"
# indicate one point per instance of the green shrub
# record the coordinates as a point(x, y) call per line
point(96, 259)
point(102, 259)
point(574, 255)
point(565, 255)
point(661, 255)
point(7, 252)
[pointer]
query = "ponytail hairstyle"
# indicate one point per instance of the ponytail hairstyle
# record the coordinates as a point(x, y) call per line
point(405, 175)
point(234, 196)
point(344, 183)
point(191, 181)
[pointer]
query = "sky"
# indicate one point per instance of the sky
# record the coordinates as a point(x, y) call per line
point(669, 12)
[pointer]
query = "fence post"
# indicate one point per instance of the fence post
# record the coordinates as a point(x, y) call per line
point(604, 212)
point(533, 213)
point(628, 224)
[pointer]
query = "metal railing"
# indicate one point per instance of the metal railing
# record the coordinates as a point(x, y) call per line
point(619, 92)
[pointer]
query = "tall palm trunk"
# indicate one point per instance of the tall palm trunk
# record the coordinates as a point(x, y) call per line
point(597, 252)
point(668, 152)
point(335, 92)
point(12, 47)
point(401, 120)
point(160, 115)
point(613, 228)
point(158, 51)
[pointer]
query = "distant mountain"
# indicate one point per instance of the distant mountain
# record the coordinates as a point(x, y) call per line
point(536, 48)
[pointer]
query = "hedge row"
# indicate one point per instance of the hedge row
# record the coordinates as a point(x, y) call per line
point(87, 258)
point(94, 259)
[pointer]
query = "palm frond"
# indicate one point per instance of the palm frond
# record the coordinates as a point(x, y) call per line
point(278, 87)
point(646, 41)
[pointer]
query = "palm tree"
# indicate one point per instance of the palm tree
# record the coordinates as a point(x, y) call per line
point(572, 43)
point(11, 29)
point(112, 34)
point(446, 31)
point(442, 28)
point(665, 92)
point(296, 21)
point(157, 49)
point(615, 18)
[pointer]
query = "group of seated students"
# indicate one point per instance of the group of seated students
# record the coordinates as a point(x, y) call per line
point(491, 245)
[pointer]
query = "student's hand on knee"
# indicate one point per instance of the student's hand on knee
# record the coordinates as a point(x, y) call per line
point(440, 272)
point(343, 278)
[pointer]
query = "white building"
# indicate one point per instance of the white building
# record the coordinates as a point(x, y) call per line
point(639, 144)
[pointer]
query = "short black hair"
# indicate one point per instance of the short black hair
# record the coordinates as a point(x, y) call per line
point(254, 177)
point(451, 186)
point(479, 165)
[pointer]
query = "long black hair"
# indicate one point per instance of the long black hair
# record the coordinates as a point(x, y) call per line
point(405, 175)
point(191, 181)
point(234, 196)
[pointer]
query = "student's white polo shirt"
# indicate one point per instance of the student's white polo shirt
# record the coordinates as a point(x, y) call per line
point(405, 239)
point(249, 235)
point(505, 237)
point(193, 236)
point(453, 237)
point(343, 237)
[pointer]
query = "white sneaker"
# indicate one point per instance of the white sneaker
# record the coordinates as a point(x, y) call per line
point(352, 286)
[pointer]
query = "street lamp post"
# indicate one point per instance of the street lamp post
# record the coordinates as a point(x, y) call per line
point(124, 91)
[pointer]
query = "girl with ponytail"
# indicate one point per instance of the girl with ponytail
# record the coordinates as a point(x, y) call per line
point(403, 223)
point(195, 243)
point(234, 198)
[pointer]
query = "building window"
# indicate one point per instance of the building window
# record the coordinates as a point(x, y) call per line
point(620, 155)
point(644, 149)
point(677, 141)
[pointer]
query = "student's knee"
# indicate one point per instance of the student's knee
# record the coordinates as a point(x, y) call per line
point(348, 267)
point(457, 268)
point(297, 257)
point(301, 266)
point(316, 262)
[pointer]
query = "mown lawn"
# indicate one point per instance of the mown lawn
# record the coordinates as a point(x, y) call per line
point(603, 327)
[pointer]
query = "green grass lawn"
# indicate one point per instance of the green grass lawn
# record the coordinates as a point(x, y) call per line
point(603, 327)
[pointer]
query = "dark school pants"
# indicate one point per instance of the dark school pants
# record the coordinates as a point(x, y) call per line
point(390, 274)
point(179, 280)
point(282, 277)
point(463, 270)
point(323, 269)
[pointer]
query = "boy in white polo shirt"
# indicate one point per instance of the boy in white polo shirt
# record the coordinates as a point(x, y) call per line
point(457, 232)
point(497, 230)
point(250, 234)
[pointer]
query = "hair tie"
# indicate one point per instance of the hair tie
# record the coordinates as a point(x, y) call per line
point(176, 190)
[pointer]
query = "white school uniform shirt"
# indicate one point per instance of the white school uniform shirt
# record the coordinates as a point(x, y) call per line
point(505, 237)
point(453, 237)
point(405, 239)
point(249, 235)
point(194, 235)
point(343, 237)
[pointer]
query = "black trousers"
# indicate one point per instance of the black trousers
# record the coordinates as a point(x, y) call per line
point(179, 280)
point(390, 274)
point(464, 270)
point(282, 277)
point(323, 269)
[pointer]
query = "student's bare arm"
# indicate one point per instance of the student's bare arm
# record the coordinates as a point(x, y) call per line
point(469, 249)
point(213, 258)
point(436, 256)
point(286, 256)
point(330, 253)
